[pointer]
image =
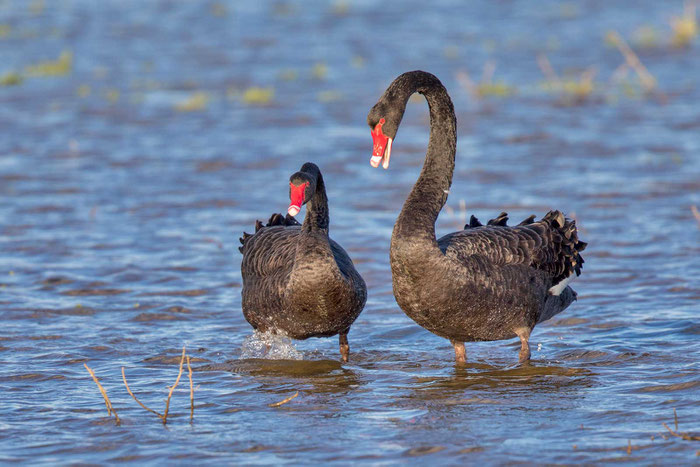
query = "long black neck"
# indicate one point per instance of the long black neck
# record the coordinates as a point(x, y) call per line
point(429, 194)
point(316, 219)
point(314, 255)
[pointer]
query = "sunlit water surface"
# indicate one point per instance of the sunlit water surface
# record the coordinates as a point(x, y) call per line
point(121, 216)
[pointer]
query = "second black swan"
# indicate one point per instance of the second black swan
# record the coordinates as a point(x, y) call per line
point(296, 280)
point(483, 283)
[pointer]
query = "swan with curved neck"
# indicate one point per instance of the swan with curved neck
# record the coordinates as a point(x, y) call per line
point(483, 283)
point(296, 280)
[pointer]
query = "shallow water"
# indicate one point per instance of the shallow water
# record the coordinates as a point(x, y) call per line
point(121, 217)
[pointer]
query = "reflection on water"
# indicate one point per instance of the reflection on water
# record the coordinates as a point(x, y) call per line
point(139, 140)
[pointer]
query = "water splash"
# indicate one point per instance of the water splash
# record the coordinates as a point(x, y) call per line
point(270, 346)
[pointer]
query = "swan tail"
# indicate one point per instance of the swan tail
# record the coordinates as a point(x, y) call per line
point(279, 219)
point(275, 220)
point(473, 222)
point(567, 247)
point(528, 221)
point(501, 220)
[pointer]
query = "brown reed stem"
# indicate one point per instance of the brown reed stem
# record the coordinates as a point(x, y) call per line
point(675, 419)
point(189, 373)
point(108, 403)
point(172, 388)
point(696, 213)
point(547, 69)
point(684, 436)
point(677, 434)
point(277, 404)
point(136, 399)
point(647, 80)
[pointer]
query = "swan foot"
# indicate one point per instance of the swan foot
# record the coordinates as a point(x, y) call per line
point(344, 346)
point(524, 335)
point(460, 352)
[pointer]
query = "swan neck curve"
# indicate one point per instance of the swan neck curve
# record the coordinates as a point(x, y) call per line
point(429, 194)
point(317, 217)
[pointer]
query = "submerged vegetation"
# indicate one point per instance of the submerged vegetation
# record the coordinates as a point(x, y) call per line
point(61, 66)
point(572, 89)
point(11, 78)
point(685, 27)
point(486, 87)
point(258, 95)
point(194, 102)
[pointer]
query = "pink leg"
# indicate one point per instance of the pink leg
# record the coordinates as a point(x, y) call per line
point(524, 335)
point(460, 352)
point(344, 346)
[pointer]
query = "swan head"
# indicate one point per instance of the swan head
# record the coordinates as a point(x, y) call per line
point(302, 186)
point(384, 125)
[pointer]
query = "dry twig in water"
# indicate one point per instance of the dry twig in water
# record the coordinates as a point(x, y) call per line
point(164, 416)
point(108, 403)
point(695, 212)
point(139, 402)
point(486, 87)
point(576, 90)
point(647, 80)
point(277, 404)
point(678, 434)
point(172, 388)
point(189, 373)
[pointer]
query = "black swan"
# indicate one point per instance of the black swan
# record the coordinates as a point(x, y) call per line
point(483, 283)
point(296, 280)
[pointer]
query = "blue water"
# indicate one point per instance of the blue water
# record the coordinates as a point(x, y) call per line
point(128, 172)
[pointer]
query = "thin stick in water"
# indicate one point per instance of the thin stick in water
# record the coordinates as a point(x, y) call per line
point(647, 80)
point(547, 70)
point(189, 373)
point(684, 436)
point(108, 403)
point(675, 419)
point(678, 434)
point(172, 388)
point(696, 213)
point(136, 399)
point(277, 404)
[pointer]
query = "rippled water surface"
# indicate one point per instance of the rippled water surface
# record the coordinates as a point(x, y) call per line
point(130, 166)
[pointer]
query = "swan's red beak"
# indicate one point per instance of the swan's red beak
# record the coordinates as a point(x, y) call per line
point(296, 197)
point(382, 146)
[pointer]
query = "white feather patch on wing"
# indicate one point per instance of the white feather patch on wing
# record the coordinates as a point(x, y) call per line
point(556, 289)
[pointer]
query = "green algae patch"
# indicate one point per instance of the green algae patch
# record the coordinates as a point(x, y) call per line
point(11, 78)
point(195, 102)
point(258, 96)
point(62, 66)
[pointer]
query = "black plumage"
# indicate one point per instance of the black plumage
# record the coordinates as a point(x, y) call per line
point(486, 282)
point(296, 280)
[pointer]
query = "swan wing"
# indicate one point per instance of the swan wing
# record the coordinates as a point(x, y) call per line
point(271, 249)
point(550, 245)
